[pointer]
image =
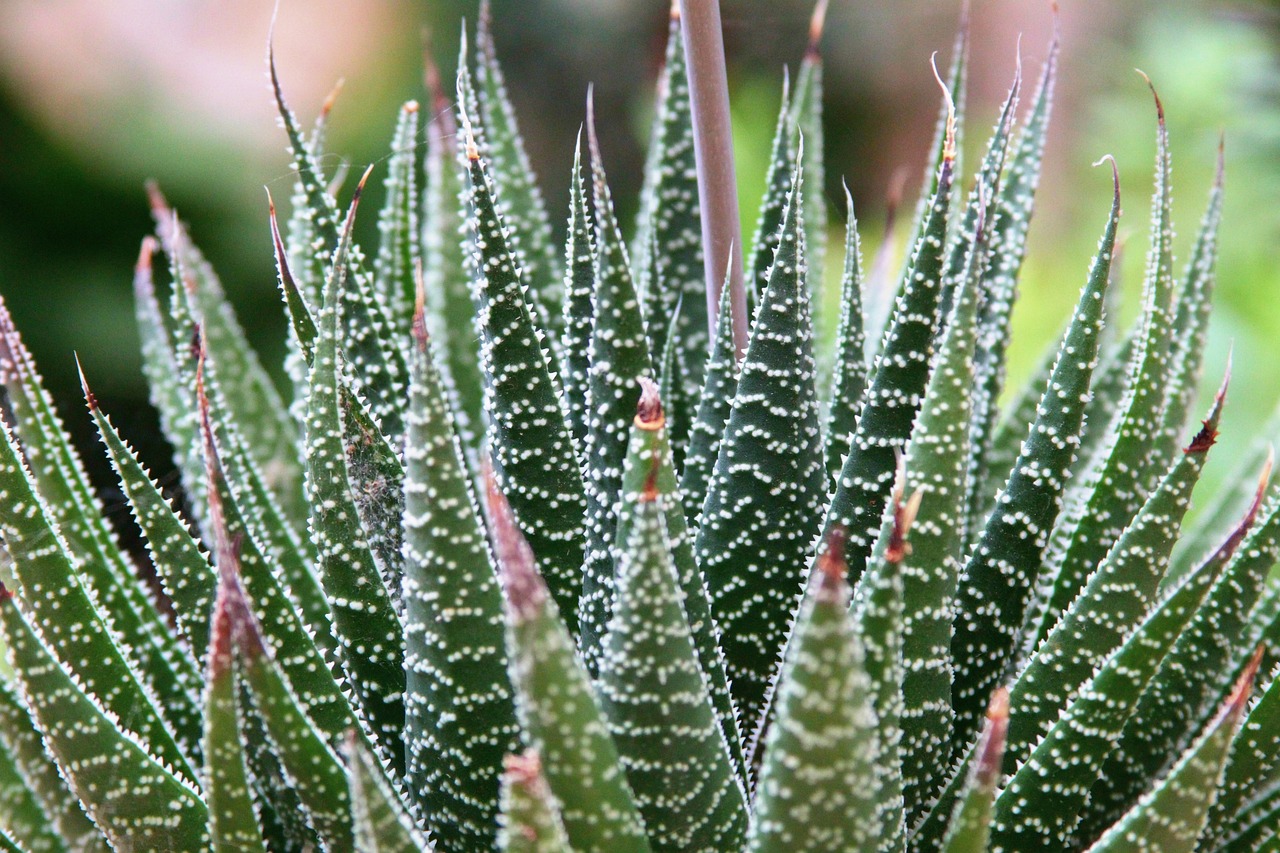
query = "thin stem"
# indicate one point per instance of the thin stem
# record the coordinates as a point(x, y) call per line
point(713, 148)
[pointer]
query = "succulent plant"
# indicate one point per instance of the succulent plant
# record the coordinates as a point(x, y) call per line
point(540, 556)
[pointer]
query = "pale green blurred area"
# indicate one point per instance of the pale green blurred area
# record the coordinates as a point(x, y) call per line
point(95, 98)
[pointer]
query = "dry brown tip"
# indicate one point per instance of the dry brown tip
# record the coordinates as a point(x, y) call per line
point(1208, 434)
point(331, 98)
point(159, 204)
point(904, 515)
point(817, 25)
point(1154, 94)
point(650, 492)
point(90, 400)
point(5, 592)
point(649, 414)
point(831, 562)
point(1244, 686)
point(675, 10)
point(524, 769)
point(145, 254)
point(949, 141)
point(410, 106)
point(526, 592)
point(991, 756)
point(419, 307)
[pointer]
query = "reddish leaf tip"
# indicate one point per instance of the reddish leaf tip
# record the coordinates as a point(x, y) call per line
point(1154, 94)
point(675, 10)
point(331, 98)
point(89, 398)
point(1208, 434)
point(949, 141)
point(991, 751)
point(420, 335)
point(526, 593)
point(832, 568)
point(5, 592)
point(817, 25)
point(410, 107)
point(145, 254)
point(649, 413)
point(1244, 686)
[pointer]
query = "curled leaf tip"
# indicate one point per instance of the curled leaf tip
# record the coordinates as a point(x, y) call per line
point(1154, 94)
point(817, 25)
point(649, 414)
point(832, 568)
point(949, 143)
point(526, 593)
point(1115, 171)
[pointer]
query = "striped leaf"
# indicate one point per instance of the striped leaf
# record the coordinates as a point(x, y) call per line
point(380, 821)
point(135, 800)
point(1113, 489)
point(558, 711)
point(849, 378)
point(773, 205)
point(618, 356)
point(580, 282)
point(1170, 817)
point(399, 244)
point(971, 825)
point(459, 716)
point(897, 380)
point(530, 441)
point(520, 204)
point(757, 524)
point(530, 815)
point(819, 780)
point(366, 627)
point(715, 402)
point(649, 446)
point(655, 696)
point(806, 123)
point(998, 579)
point(1115, 597)
point(22, 817)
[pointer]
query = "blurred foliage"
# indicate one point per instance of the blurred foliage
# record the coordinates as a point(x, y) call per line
point(73, 208)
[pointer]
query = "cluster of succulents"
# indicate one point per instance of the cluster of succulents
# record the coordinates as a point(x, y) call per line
point(535, 556)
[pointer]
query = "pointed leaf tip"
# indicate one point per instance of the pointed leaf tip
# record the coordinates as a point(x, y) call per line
point(649, 413)
point(1208, 434)
point(817, 25)
point(949, 145)
point(1115, 171)
point(331, 98)
point(145, 254)
point(1154, 94)
point(90, 400)
point(991, 758)
point(1244, 685)
point(525, 590)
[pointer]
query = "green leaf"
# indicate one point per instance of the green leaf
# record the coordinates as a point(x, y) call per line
point(290, 642)
point(376, 366)
point(233, 822)
point(64, 609)
point(897, 382)
point(450, 311)
point(1049, 792)
point(1170, 817)
point(715, 402)
point(580, 282)
point(806, 123)
point(819, 780)
point(381, 823)
point(22, 817)
point(400, 238)
point(1113, 489)
point(520, 204)
point(650, 446)
point(1115, 597)
point(936, 472)
point(557, 708)
point(970, 828)
point(135, 800)
point(758, 522)
point(531, 444)
point(530, 816)
point(459, 714)
point(369, 634)
point(1012, 207)
point(1252, 764)
point(1185, 690)
point(20, 737)
point(180, 562)
point(655, 696)
point(618, 356)
point(72, 509)
point(849, 379)
point(773, 206)
point(997, 582)
point(669, 260)
point(310, 765)
point(253, 403)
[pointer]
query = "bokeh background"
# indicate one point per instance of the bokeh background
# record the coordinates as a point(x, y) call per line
point(97, 97)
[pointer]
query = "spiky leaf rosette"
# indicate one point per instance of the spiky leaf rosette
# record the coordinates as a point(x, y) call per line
point(459, 716)
point(757, 525)
point(817, 782)
point(529, 439)
point(677, 758)
point(618, 356)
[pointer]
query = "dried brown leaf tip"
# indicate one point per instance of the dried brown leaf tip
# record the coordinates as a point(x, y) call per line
point(90, 400)
point(1244, 686)
point(420, 335)
point(525, 589)
point(5, 592)
point(817, 25)
point(832, 568)
point(650, 493)
point(1208, 434)
point(991, 754)
point(649, 414)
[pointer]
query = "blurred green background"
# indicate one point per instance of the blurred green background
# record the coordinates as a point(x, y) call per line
point(95, 98)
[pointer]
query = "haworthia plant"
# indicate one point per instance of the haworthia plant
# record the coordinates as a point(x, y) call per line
point(528, 557)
